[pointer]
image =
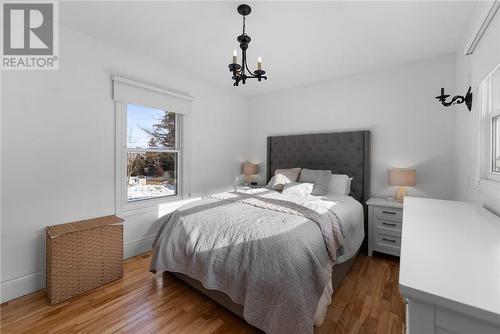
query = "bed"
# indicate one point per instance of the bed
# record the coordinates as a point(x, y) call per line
point(258, 253)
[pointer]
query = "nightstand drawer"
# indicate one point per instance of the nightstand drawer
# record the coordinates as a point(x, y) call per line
point(388, 241)
point(386, 226)
point(388, 213)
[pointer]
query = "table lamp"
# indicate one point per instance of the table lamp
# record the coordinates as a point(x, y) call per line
point(402, 178)
point(249, 170)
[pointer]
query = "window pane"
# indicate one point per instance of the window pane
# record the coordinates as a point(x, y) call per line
point(495, 88)
point(151, 175)
point(496, 144)
point(149, 128)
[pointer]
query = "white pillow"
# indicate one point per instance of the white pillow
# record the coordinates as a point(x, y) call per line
point(271, 183)
point(284, 176)
point(298, 188)
point(340, 185)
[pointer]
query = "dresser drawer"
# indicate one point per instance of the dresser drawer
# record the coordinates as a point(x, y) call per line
point(386, 226)
point(388, 213)
point(388, 241)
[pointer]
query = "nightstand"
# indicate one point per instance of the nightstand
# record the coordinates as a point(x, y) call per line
point(385, 221)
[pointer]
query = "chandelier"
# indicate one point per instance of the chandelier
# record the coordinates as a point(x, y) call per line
point(242, 72)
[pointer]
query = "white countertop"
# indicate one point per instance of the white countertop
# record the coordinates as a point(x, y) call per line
point(450, 256)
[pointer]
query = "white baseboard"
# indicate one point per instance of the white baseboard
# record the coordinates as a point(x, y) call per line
point(22, 285)
point(138, 246)
point(25, 284)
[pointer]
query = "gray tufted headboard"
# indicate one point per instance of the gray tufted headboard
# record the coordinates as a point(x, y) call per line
point(342, 152)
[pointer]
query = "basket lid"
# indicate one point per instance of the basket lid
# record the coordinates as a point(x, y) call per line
point(57, 230)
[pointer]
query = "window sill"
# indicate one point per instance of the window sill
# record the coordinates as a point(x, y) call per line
point(148, 206)
point(488, 187)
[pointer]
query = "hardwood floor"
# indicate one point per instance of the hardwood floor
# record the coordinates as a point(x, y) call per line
point(368, 301)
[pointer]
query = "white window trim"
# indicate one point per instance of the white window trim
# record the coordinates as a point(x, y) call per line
point(122, 206)
point(486, 181)
point(495, 176)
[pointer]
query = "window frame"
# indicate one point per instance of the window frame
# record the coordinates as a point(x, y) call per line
point(488, 115)
point(123, 205)
point(493, 143)
point(487, 181)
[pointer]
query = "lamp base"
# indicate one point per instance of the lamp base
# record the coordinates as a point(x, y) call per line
point(248, 180)
point(401, 192)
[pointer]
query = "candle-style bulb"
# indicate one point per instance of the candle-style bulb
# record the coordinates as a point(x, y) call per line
point(259, 63)
point(235, 56)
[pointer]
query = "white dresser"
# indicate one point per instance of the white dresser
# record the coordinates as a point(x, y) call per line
point(450, 267)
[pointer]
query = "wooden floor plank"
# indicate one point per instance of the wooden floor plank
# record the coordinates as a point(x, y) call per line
point(368, 301)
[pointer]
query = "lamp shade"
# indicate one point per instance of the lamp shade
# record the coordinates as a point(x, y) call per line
point(402, 177)
point(250, 169)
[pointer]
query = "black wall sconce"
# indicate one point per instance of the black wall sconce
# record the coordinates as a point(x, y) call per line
point(457, 99)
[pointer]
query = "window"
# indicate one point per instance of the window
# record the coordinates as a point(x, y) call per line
point(151, 144)
point(152, 153)
point(489, 98)
point(495, 158)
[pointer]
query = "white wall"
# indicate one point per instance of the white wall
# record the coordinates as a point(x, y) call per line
point(470, 71)
point(409, 128)
point(58, 144)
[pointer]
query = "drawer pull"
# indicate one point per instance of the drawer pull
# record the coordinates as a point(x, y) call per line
point(390, 240)
point(388, 224)
point(389, 212)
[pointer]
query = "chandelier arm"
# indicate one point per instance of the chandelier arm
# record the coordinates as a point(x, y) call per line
point(246, 65)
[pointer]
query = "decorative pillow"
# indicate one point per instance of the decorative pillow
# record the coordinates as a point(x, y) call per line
point(284, 176)
point(320, 178)
point(297, 188)
point(340, 185)
point(269, 185)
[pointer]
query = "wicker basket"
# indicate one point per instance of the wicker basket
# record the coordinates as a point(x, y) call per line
point(82, 256)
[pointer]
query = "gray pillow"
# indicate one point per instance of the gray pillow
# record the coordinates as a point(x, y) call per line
point(320, 179)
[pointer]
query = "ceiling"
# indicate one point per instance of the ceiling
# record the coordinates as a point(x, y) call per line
point(300, 42)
